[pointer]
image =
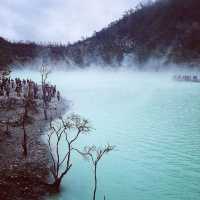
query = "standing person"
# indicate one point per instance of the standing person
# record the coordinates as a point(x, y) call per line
point(1, 89)
point(18, 91)
point(58, 95)
point(7, 91)
point(35, 88)
point(54, 90)
point(12, 83)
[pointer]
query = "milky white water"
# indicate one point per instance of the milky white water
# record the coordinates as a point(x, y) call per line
point(154, 123)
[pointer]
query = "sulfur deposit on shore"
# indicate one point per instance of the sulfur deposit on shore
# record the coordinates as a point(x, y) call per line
point(24, 178)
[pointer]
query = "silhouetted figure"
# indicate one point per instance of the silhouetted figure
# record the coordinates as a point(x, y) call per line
point(12, 83)
point(7, 91)
point(58, 95)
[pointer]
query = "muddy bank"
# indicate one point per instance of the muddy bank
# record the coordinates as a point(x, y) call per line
point(24, 178)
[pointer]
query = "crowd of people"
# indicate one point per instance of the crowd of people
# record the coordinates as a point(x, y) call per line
point(27, 88)
point(193, 78)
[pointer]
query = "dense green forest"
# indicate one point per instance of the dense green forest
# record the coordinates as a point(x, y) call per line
point(167, 29)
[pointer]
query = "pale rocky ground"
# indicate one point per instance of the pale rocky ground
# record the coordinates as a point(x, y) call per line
point(20, 178)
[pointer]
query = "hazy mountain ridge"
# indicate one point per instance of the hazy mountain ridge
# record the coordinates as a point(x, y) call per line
point(166, 28)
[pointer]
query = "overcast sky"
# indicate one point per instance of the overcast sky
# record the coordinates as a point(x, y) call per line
point(58, 20)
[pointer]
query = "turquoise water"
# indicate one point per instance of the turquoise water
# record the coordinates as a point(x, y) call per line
point(154, 123)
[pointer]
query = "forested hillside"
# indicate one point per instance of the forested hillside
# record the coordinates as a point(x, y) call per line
point(165, 28)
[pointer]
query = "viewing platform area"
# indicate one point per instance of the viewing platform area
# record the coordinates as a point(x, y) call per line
point(187, 78)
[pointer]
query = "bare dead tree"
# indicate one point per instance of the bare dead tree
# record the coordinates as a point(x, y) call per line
point(19, 121)
point(7, 125)
point(24, 139)
point(68, 130)
point(94, 155)
point(29, 104)
point(44, 71)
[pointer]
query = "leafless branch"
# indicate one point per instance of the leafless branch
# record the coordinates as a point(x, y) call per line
point(69, 130)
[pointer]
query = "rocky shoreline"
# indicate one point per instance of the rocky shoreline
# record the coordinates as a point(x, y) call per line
point(26, 178)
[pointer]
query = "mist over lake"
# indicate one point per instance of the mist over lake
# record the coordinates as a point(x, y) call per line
point(100, 100)
point(152, 120)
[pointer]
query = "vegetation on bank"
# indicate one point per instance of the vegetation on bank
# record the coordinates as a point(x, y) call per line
point(164, 28)
point(70, 130)
point(24, 156)
point(26, 162)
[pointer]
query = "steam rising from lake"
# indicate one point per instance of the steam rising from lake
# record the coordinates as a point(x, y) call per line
point(153, 121)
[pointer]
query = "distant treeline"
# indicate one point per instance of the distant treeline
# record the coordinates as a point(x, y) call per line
point(22, 52)
point(165, 28)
